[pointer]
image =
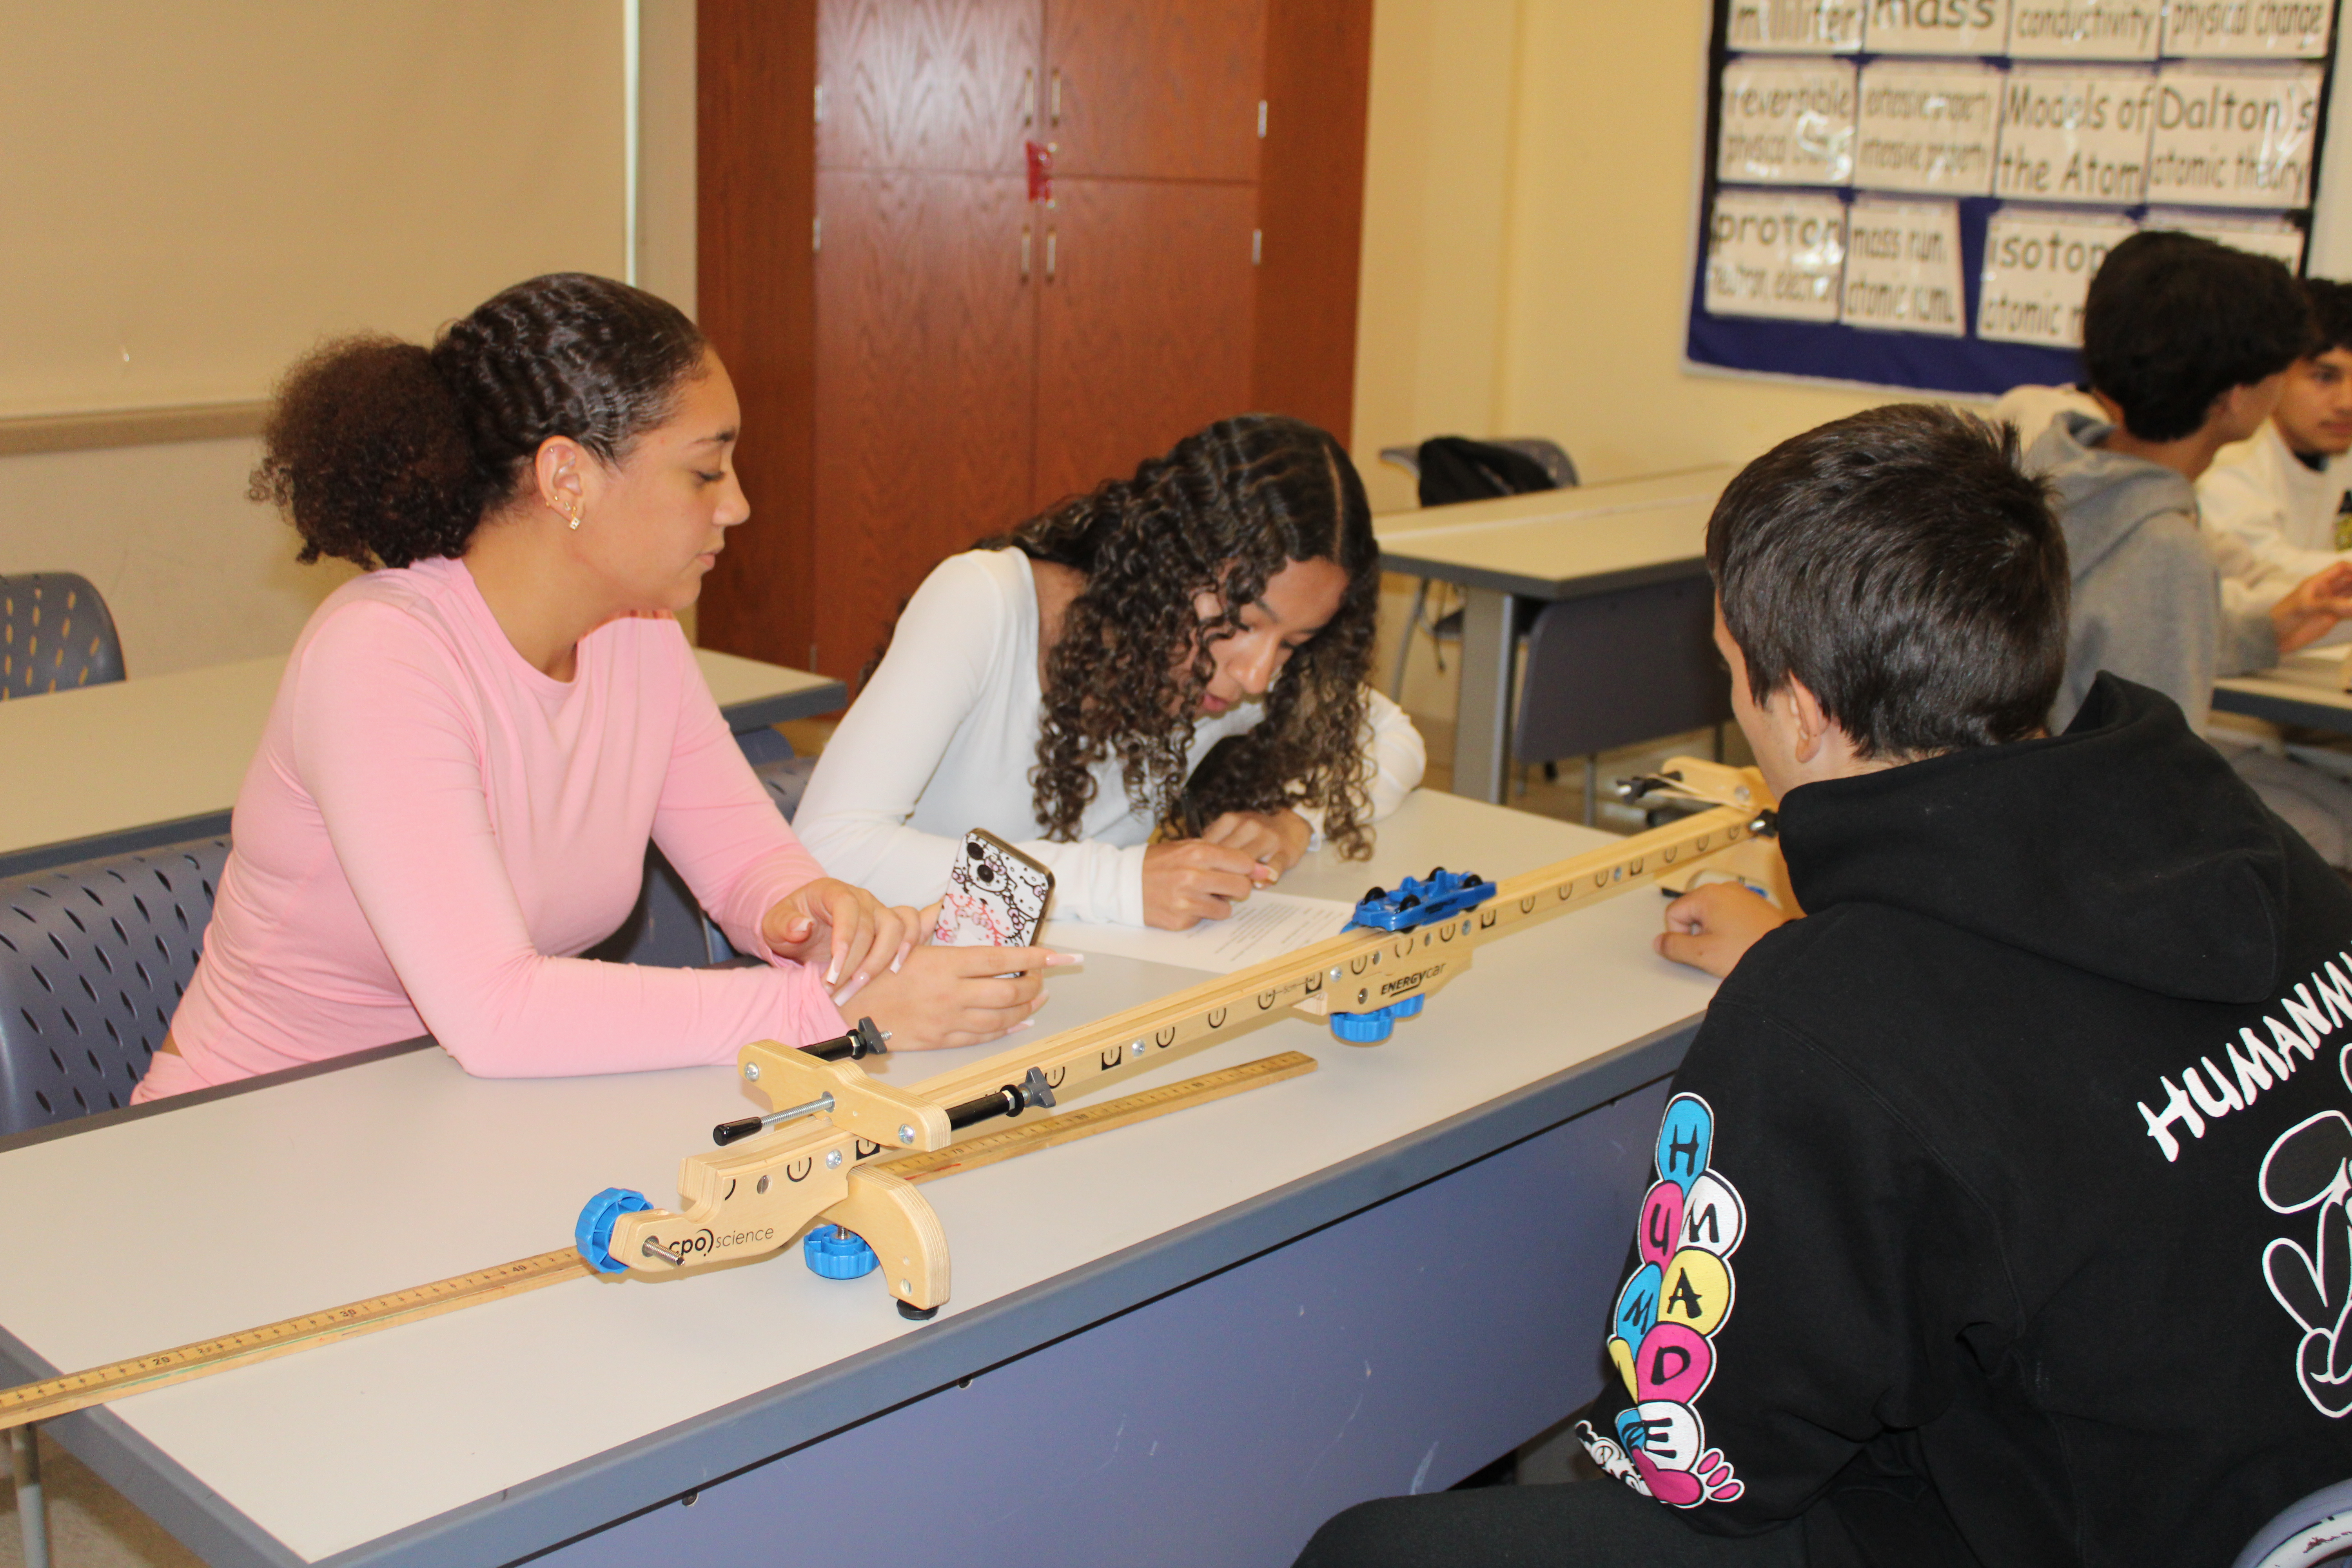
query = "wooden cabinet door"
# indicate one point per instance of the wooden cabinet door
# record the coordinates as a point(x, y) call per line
point(925, 382)
point(1144, 325)
point(926, 84)
point(1168, 91)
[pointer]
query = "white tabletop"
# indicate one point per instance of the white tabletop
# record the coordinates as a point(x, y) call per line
point(107, 759)
point(243, 1210)
point(1555, 543)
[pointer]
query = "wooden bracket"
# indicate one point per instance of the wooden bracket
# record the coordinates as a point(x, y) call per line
point(903, 1231)
point(877, 1112)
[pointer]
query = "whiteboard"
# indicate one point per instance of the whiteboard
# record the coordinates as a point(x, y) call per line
point(193, 192)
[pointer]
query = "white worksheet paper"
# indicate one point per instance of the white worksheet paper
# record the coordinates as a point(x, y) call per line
point(1266, 926)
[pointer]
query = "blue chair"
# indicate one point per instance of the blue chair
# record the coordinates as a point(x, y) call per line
point(55, 634)
point(2316, 1530)
point(93, 958)
point(1609, 669)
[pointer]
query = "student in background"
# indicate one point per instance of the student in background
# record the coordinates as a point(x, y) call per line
point(2273, 504)
point(471, 746)
point(2188, 343)
point(1962, 1251)
point(1182, 652)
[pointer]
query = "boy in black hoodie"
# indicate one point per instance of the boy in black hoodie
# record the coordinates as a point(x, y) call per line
point(2000, 1208)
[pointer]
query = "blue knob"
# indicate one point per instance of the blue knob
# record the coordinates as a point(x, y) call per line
point(1408, 1008)
point(1362, 1029)
point(594, 1232)
point(838, 1254)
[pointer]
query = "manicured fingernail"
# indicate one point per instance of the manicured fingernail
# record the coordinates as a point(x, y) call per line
point(833, 972)
point(1052, 959)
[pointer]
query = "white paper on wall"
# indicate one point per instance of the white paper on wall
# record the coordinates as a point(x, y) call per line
point(2075, 133)
point(1903, 268)
point(1805, 26)
point(1776, 253)
point(2084, 29)
point(2248, 29)
point(1937, 28)
point(1787, 123)
point(2236, 136)
point(2037, 269)
point(1926, 127)
point(2274, 238)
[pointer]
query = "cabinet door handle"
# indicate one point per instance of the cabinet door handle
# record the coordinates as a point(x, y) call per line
point(1024, 253)
point(1050, 238)
point(1054, 112)
point(1029, 98)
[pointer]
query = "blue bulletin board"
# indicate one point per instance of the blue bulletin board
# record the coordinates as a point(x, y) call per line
point(1914, 193)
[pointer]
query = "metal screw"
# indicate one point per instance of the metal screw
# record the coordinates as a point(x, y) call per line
point(1136, 1050)
point(763, 1183)
point(832, 1158)
point(905, 1289)
point(751, 1071)
point(905, 1133)
point(1335, 972)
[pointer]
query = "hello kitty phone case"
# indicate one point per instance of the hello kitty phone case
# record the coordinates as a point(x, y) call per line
point(996, 895)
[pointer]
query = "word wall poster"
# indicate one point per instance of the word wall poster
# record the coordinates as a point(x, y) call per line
point(1916, 193)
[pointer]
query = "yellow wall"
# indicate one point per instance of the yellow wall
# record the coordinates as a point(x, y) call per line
point(1527, 241)
point(195, 573)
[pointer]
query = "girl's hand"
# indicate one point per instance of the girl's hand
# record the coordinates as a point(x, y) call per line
point(942, 997)
point(1191, 880)
point(854, 933)
point(1275, 839)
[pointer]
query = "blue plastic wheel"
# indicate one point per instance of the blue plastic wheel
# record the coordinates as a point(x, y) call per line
point(593, 1232)
point(838, 1254)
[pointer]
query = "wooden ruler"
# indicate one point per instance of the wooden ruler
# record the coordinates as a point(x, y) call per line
point(1028, 1137)
point(77, 1391)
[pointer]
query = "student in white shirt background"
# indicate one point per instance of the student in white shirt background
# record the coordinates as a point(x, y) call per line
point(2272, 504)
point(1183, 654)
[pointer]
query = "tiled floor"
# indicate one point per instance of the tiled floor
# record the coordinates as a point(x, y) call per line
point(91, 1525)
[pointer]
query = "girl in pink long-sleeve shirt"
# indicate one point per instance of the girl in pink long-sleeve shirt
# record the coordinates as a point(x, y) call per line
point(471, 747)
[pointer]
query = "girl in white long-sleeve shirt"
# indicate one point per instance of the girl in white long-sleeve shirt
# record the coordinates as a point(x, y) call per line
point(1065, 689)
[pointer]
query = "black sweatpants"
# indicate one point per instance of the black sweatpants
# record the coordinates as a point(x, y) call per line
point(1582, 1524)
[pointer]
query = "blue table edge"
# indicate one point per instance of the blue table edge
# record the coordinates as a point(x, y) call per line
point(577, 1501)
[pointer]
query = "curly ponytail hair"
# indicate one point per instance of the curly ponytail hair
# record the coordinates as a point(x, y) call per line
point(1222, 513)
point(384, 452)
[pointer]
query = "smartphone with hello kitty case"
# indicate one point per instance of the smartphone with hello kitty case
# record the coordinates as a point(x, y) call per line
point(996, 895)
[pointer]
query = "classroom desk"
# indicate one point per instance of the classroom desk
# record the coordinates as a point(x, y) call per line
point(2308, 688)
point(1183, 1343)
point(1554, 544)
point(108, 769)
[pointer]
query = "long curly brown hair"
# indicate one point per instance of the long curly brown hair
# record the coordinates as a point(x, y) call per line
point(1222, 513)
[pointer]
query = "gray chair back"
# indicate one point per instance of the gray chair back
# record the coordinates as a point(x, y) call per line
point(55, 634)
point(93, 959)
point(1609, 669)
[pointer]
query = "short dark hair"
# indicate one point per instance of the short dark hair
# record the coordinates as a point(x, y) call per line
point(2331, 316)
point(384, 451)
point(2173, 321)
point(1900, 565)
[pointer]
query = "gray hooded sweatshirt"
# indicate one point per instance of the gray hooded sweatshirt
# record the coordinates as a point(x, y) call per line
point(2147, 593)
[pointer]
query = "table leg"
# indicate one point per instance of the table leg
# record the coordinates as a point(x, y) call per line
point(1482, 719)
point(32, 1508)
